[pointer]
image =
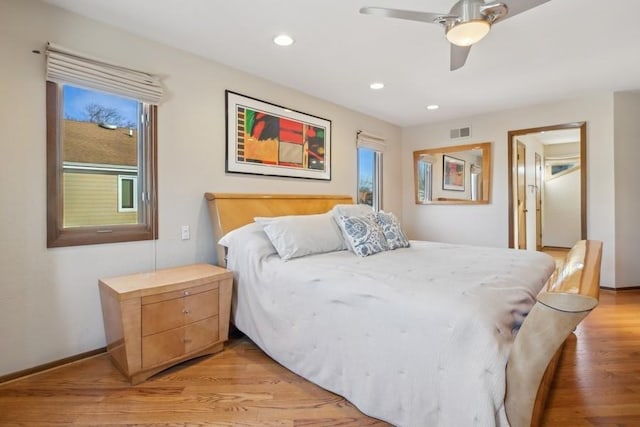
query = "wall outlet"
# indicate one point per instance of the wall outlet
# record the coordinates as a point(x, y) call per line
point(185, 233)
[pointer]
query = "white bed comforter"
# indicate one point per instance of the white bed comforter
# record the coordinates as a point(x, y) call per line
point(416, 337)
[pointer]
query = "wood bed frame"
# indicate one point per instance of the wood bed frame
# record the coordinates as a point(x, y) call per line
point(569, 295)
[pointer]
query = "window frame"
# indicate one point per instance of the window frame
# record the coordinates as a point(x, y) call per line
point(377, 177)
point(147, 227)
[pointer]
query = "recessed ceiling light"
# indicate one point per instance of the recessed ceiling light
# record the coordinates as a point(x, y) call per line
point(432, 107)
point(283, 40)
point(376, 86)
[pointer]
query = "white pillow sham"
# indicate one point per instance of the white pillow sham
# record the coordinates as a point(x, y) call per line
point(241, 234)
point(248, 240)
point(351, 210)
point(299, 235)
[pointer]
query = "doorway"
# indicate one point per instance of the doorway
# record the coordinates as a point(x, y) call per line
point(538, 184)
point(554, 214)
point(521, 194)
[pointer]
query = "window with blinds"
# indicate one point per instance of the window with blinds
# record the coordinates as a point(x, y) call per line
point(370, 149)
point(101, 151)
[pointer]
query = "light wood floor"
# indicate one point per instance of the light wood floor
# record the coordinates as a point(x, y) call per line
point(557, 253)
point(598, 384)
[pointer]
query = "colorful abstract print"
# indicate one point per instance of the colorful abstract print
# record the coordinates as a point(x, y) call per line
point(278, 141)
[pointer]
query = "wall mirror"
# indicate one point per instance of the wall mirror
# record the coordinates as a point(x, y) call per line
point(459, 174)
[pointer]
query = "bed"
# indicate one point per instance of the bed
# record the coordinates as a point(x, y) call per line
point(406, 335)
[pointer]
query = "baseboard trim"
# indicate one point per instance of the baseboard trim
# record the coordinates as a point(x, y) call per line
point(51, 365)
point(626, 288)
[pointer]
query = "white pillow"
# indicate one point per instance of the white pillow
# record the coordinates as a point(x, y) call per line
point(299, 235)
point(251, 234)
point(351, 210)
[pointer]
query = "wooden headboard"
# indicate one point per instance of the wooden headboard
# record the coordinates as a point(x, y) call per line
point(229, 211)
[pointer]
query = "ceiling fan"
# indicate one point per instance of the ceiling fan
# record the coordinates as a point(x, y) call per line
point(467, 22)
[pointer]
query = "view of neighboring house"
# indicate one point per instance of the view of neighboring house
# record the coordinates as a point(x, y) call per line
point(100, 174)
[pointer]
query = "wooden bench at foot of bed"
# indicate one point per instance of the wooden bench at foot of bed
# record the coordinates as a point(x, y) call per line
point(571, 293)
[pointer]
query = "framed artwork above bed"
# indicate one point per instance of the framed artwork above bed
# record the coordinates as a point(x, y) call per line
point(269, 139)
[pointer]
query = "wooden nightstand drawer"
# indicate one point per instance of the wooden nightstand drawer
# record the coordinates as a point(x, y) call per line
point(150, 299)
point(160, 348)
point(173, 313)
point(200, 334)
point(154, 320)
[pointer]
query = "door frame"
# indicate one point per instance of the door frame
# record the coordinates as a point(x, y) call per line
point(583, 171)
point(521, 226)
point(538, 183)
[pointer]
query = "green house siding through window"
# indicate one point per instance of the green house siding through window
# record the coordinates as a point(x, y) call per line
point(92, 198)
point(100, 175)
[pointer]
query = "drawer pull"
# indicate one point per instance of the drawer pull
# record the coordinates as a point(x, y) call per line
point(187, 293)
point(186, 311)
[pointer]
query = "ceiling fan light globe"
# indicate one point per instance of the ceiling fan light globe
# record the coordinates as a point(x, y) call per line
point(468, 33)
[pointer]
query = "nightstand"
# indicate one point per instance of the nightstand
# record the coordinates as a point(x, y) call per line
point(155, 320)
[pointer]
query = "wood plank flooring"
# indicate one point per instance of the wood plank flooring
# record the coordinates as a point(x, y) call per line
point(557, 253)
point(598, 381)
point(597, 384)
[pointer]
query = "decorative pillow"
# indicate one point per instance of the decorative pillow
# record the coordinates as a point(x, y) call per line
point(363, 234)
point(349, 211)
point(299, 235)
point(392, 230)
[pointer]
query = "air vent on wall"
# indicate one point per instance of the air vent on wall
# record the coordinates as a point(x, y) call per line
point(463, 132)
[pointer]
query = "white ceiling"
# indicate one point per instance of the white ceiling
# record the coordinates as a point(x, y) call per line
point(561, 49)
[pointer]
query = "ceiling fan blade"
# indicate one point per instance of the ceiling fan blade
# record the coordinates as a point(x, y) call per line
point(432, 18)
point(518, 6)
point(459, 56)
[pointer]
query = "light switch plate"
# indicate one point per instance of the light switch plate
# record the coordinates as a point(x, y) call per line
point(185, 233)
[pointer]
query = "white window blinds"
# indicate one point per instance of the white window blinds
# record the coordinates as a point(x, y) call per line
point(365, 139)
point(66, 66)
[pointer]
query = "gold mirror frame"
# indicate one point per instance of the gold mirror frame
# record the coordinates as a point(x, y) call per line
point(452, 197)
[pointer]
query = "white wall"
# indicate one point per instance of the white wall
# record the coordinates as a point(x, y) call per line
point(561, 222)
point(49, 302)
point(627, 198)
point(561, 210)
point(488, 224)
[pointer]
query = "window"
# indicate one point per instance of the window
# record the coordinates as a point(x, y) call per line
point(101, 155)
point(370, 150)
point(127, 193)
point(425, 180)
point(559, 166)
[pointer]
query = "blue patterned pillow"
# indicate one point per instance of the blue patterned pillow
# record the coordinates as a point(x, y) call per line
point(392, 230)
point(364, 235)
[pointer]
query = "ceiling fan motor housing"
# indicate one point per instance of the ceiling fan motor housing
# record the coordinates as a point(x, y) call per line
point(470, 20)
